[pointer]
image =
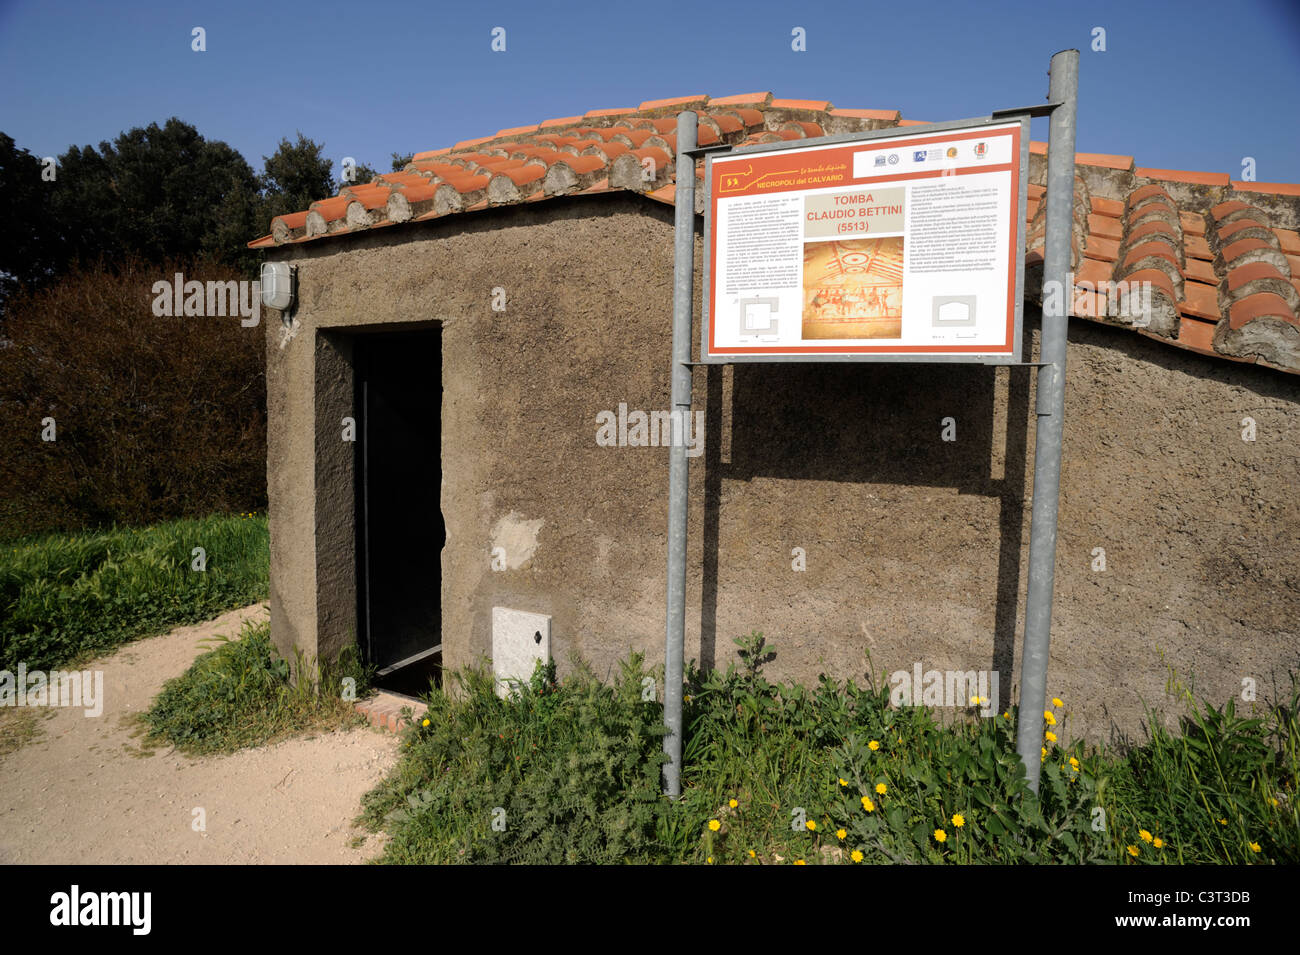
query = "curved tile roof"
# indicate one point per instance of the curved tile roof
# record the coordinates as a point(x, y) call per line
point(1219, 258)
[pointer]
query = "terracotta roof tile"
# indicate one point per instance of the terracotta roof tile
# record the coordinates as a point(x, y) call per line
point(1093, 272)
point(1106, 207)
point(1288, 240)
point(1224, 209)
point(888, 115)
point(1255, 271)
point(1276, 188)
point(1260, 305)
point(1201, 271)
point(1099, 247)
point(1180, 175)
point(1105, 226)
point(1235, 263)
point(744, 99)
point(1192, 223)
point(467, 143)
point(819, 105)
point(1196, 247)
point(681, 102)
point(1196, 335)
point(1201, 300)
point(1246, 227)
point(1103, 159)
point(1237, 249)
point(1147, 250)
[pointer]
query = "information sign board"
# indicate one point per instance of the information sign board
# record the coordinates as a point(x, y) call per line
point(898, 244)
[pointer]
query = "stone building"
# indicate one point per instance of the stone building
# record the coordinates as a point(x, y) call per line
point(530, 273)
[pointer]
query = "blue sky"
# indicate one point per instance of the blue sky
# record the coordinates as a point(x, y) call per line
point(1184, 85)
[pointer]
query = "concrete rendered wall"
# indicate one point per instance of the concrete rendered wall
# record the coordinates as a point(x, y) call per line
point(915, 547)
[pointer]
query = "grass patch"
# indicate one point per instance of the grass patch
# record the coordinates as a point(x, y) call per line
point(777, 773)
point(18, 727)
point(68, 597)
point(239, 695)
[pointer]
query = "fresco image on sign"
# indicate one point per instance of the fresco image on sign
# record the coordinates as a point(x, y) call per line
point(853, 289)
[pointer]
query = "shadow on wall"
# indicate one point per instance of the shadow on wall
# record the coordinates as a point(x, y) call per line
point(859, 423)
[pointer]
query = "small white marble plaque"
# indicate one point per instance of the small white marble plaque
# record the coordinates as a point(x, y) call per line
point(519, 640)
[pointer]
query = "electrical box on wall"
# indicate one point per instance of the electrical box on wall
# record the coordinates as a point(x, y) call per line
point(519, 640)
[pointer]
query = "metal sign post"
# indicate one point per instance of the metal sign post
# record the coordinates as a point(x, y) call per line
point(678, 466)
point(1063, 92)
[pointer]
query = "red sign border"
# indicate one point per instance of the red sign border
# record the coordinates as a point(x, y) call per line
point(1011, 127)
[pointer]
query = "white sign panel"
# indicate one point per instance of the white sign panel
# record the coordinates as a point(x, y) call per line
point(903, 246)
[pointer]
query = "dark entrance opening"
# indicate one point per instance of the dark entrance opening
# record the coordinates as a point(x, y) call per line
point(400, 530)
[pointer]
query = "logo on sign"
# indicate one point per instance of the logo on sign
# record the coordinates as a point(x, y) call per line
point(981, 150)
point(893, 159)
point(880, 160)
point(918, 156)
point(952, 152)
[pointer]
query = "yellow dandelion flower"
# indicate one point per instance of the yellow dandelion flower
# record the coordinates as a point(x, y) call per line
point(1133, 851)
point(940, 836)
point(881, 788)
point(753, 854)
point(1044, 750)
point(1144, 835)
point(1074, 764)
point(856, 855)
point(840, 833)
point(958, 820)
point(1006, 715)
point(974, 701)
point(1272, 801)
point(1254, 846)
point(714, 825)
point(1158, 842)
point(868, 805)
point(874, 745)
point(1223, 822)
point(710, 860)
point(733, 804)
point(800, 862)
point(1050, 736)
point(425, 723)
point(1051, 719)
point(812, 826)
point(842, 782)
point(1056, 701)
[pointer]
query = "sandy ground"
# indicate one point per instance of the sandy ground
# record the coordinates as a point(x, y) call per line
point(83, 793)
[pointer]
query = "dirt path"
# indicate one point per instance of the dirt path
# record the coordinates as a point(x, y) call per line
point(80, 793)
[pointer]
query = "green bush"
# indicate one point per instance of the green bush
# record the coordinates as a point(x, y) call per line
point(66, 597)
point(778, 773)
point(240, 694)
point(154, 417)
point(566, 773)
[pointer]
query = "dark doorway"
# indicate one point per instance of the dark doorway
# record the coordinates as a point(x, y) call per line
point(400, 530)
